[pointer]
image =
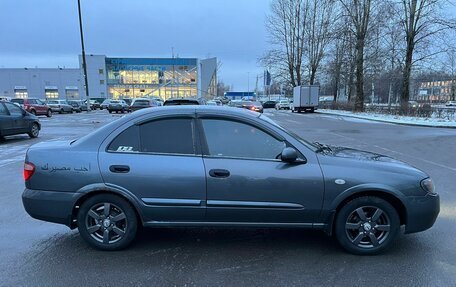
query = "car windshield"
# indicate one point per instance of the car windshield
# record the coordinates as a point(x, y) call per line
point(312, 146)
point(115, 102)
point(141, 103)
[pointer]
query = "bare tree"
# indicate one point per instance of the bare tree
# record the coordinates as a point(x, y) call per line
point(359, 12)
point(285, 26)
point(421, 20)
point(318, 31)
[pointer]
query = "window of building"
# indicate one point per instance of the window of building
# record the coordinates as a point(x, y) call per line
point(234, 139)
point(51, 93)
point(100, 71)
point(102, 82)
point(173, 136)
point(21, 93)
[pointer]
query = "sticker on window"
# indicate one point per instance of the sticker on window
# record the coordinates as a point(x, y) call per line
point(125, 148)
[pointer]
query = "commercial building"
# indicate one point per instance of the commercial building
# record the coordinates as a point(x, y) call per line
point(437, 91)
point(115, 78)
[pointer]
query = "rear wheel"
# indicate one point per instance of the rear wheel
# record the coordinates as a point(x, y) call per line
point(107, 222)
point(367, 225)
point(49, 113)
point(109, 111)
point(34, 130)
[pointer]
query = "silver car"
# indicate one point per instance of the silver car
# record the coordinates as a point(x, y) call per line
point(60, 106)
point(220, 166)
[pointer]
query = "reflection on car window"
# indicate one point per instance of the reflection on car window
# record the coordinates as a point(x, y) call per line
point(235, 139)
point(168, 136)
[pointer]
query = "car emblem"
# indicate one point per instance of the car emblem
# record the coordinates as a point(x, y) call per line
point(339, 181)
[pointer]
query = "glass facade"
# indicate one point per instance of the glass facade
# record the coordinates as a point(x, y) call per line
point(145, 77)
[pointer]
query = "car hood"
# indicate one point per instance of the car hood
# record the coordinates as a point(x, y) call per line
point(349, 157)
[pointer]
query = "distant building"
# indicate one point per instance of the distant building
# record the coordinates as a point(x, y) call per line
point(436, 91)
point(115, 78)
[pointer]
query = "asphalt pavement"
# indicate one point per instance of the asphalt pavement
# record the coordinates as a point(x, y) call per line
point(36, 253)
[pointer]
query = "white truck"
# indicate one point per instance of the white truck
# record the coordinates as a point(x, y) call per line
point(305, 98)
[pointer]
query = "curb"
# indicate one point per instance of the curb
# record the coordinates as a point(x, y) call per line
point(386, 121)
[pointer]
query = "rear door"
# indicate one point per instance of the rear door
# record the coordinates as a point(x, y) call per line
point(160, 163)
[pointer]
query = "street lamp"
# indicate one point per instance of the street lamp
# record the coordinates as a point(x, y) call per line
point(84, 66)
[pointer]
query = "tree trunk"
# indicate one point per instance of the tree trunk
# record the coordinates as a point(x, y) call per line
point(359, 101)
point(405, 96)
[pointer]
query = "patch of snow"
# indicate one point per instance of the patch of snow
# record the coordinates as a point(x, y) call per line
point(395, 119)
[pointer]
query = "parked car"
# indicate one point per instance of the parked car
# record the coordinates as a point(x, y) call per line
point(183, 101)
point(217, 166)
point(214, 103)
point(105, 104)
point(34, 106)
point(118, 106)
point(158, 100)
point(141, 103)
point(15, 120)
point(269, 104)
point(283, 104)
point(224, 100)
point(450, 104)
point(97, 102)
point(94, 105)
point(60, 106)
point(253, 106)
point(78, 106)
point(236, 103)
point(5, 99)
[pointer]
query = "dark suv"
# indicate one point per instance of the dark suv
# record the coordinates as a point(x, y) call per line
point(34, 106)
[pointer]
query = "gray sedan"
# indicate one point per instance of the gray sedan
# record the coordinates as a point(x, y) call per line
point(219, 166)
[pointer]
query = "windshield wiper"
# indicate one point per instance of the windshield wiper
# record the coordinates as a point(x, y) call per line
point(322, 147)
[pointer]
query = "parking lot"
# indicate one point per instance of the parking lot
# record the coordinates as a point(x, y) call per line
point(37, 253)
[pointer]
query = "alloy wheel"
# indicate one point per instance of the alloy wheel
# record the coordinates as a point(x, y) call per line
point(106, 223)
point(367, 227)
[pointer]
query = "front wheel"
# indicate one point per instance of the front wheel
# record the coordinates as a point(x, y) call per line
point(49, 113)
point(34, 130)
point(107, 222)
point(367, 225)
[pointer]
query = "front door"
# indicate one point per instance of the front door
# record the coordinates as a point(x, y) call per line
point(19, 124)
point(158, 163)
point(246, 182)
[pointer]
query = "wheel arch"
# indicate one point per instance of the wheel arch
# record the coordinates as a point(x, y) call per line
point(90, 191)
point(391, 197)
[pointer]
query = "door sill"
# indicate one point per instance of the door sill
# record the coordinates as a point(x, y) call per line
point(233, 224)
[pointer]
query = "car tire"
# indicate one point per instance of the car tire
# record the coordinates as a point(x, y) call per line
point(33, 112)
point(34, 130)
point(110, 111)
point(100, 228)
point(367, 225)
point(61, 111)
point(49, 113)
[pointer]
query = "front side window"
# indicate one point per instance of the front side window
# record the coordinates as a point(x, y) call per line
point(234, 139)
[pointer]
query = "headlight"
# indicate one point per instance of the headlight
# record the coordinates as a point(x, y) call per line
point(428, 185)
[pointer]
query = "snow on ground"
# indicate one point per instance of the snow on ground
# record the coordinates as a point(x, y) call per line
point(395, 119)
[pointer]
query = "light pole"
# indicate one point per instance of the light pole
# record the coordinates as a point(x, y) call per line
point(248, 82)
point(84, 66)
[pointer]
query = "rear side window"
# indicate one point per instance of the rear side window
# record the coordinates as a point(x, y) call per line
point(13, 109)
point(168, 136)
point(172, 136)
point(126, 141)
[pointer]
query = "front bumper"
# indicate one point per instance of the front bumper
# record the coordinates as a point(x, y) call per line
point(422, 211)
point(52, 206)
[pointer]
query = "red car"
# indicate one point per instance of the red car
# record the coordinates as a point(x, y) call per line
point(34, 106)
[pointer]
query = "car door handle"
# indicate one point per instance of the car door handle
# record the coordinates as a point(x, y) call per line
point(219, 173)
point(119, 168)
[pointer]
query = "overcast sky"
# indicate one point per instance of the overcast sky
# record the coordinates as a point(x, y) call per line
point(45, 33)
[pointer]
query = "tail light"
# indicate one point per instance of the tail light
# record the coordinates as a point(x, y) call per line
point(29, 170)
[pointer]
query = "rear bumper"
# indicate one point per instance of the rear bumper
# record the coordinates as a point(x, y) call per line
point(422, 212)
point(52, 206)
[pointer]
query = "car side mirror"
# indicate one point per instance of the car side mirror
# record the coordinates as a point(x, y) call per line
point(289, 155)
